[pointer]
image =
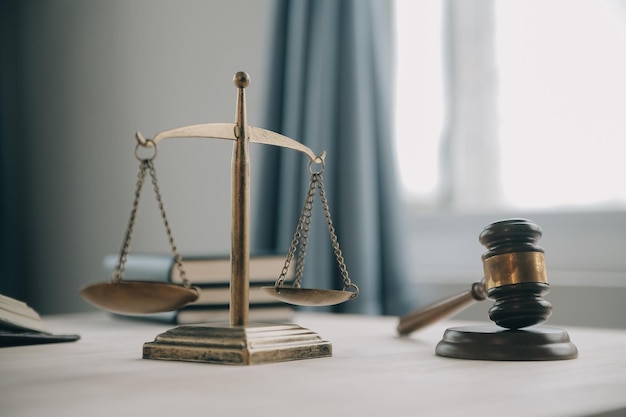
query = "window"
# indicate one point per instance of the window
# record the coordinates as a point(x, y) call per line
point(419, 105)
point(558, 99)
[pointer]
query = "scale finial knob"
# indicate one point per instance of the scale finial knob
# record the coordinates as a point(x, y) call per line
point(241, 79)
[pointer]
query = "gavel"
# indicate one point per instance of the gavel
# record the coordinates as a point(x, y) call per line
point(514, 276)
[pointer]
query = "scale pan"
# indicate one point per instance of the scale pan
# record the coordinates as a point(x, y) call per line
point(309, 296)
point(138, 297)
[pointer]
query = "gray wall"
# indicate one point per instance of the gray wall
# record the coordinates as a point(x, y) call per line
point(91, 74)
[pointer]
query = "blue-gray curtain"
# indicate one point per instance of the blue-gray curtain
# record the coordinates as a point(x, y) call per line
point(331, 88)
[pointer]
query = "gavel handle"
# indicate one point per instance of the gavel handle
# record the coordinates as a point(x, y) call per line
point(441, 309)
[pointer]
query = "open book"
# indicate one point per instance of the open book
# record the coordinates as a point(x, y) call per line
point(21, 325)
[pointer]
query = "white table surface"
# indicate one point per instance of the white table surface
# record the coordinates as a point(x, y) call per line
point(373, 372)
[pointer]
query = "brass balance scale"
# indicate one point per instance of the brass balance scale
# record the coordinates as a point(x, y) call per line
point(238, 341)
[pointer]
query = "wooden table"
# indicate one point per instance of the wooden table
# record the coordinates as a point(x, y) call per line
point(372, 372)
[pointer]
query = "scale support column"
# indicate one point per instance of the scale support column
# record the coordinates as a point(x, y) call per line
point(240, 209)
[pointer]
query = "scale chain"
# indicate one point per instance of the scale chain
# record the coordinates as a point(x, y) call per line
point(333, 237)
point(119, 268)
point(302, 234)
point(146, 164)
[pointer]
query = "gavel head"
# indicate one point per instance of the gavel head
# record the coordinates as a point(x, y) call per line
point(515, 273)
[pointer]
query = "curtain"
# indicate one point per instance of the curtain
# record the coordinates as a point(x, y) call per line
point(331, 88)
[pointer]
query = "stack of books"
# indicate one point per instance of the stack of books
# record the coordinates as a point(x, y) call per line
point(212, 276)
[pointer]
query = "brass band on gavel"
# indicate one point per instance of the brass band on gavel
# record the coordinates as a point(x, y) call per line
point(514, 268)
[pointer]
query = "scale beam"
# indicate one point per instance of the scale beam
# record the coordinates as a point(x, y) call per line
point(227, 131)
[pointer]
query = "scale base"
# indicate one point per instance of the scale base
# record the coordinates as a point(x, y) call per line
point(490, 342)
point(250, 344)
